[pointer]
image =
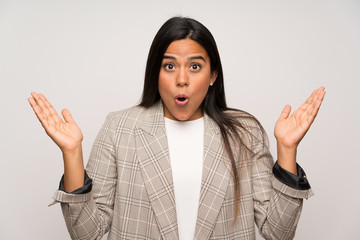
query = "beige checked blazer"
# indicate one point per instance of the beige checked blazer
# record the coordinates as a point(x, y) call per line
point(133, 192)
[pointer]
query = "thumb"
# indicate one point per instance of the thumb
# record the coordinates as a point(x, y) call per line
point(285, 112)
point(67, 116)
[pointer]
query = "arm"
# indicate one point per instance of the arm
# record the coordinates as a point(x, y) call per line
point(289, 130)
point(89, 215)
point(277, 206)
point(66, 134)
point(278, 198)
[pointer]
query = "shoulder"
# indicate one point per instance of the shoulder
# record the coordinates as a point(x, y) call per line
point(133, 113)
point(127, 118)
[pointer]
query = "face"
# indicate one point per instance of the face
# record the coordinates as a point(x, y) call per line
point(184, 79)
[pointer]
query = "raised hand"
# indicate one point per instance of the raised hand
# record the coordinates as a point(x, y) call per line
point(289, 130)
point(66, 134)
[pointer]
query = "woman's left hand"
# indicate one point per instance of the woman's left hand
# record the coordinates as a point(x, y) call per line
point(289, 130)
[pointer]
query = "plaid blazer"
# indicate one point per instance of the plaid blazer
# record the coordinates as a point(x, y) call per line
point(133, 191)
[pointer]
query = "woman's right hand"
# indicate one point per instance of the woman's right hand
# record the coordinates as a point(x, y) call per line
point(66, 134)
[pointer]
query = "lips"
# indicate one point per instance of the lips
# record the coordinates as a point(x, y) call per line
point(181, 99)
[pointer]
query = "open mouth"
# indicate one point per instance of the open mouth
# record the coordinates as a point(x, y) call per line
point(181, 99)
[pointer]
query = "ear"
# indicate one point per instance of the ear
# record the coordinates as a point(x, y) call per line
point(213, 77)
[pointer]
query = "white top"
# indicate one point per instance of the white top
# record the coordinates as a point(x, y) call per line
point(186, 143)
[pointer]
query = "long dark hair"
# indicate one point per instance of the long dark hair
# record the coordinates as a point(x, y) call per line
point(214, 104)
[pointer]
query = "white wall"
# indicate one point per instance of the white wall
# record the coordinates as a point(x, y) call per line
point(90, 56)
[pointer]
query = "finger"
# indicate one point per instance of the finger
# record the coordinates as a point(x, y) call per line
point(38, 112)
point(305, 106)
point(285, 112)
point(67, 116)
point(47, 103)
point(32, 102)
point(41, 104)
point(36, 108)
point(318, 98)
point(321, 94)
point(51, 109)
point(313, 100)
point(311, 105)
point(50, 114)
point(312, 97)
point(316, 104)
point(306, 110)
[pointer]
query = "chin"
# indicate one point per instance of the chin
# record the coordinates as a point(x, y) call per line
point(182, 116)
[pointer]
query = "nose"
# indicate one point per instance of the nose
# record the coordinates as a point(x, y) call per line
point(182, 79)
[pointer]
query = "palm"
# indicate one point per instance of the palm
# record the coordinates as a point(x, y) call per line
point(289, 130)
point(66, 134)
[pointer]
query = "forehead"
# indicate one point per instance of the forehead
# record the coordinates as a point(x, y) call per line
point(186, 47)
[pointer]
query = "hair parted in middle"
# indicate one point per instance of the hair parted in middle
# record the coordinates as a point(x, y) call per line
point(214, 104)
point(178, 28)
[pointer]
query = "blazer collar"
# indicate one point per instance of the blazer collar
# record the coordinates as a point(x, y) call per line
point(154, 161)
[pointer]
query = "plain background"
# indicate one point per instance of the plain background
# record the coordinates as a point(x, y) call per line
point(89, 56)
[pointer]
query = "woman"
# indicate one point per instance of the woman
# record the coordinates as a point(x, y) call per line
point(181, 163)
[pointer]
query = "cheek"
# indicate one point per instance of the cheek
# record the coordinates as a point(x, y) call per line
point(203, 85)
point(163, 86)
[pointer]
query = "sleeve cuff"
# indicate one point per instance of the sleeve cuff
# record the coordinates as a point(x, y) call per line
point(86, 188)
point(298, 182)
point(289, 191)
point(63, 197)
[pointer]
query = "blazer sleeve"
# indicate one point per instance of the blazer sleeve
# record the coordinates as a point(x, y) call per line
point(277, 205)
point(89, 215)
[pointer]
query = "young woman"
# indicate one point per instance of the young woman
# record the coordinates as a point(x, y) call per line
point(181, 164)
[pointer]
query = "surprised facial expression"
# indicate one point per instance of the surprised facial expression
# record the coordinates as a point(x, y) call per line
point(184, 79)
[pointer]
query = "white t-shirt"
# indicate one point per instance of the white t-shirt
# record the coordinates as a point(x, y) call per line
point(186, 143)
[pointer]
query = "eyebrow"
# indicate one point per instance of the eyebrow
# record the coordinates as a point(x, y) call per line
point(189, 58)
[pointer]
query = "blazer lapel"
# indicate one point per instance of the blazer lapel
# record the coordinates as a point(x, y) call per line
point(154, 160)
point(215, 180)
point(153, 154)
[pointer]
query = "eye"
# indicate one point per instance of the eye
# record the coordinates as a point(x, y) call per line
point(195, 66)
point(169, 66)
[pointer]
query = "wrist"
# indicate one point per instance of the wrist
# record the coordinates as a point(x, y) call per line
point(287, 157)
point(76, 150)
point(286, 143)
point(73, 169)
point(73, 160)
